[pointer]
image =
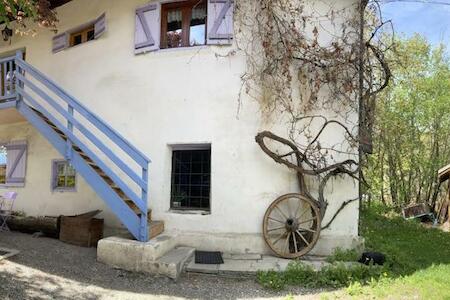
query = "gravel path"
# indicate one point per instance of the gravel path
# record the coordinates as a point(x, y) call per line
point(49, 269)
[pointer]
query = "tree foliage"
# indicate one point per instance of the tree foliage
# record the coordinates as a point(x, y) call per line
point(412, 132)
point(39, 11)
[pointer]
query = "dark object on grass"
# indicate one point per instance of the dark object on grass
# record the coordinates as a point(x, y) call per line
point(376, 258)
point(209, 258)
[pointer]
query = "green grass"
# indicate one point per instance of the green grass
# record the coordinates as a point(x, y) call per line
point(418, 258)
point(417, 265)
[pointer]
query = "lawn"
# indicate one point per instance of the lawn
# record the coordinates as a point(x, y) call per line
point(417, 267)
point(418, 258)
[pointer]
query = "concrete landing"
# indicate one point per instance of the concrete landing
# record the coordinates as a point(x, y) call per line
point(249, 264)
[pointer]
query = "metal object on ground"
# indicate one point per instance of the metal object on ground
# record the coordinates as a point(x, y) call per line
point(418, 211)
point(291, 225)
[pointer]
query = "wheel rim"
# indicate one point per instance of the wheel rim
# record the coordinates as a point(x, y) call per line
point(291, 225)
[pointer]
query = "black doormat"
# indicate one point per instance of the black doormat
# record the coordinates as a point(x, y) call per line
point(208, 257)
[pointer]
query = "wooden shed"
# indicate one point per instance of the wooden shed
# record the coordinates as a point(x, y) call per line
point(444, 211)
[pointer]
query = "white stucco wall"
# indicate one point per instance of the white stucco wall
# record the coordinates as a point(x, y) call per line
point(155, 100)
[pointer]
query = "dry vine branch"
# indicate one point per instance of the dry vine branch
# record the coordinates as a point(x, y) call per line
point(308, 64)
point(300, 157)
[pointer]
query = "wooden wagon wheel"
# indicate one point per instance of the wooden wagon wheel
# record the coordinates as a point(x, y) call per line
point(291, 225)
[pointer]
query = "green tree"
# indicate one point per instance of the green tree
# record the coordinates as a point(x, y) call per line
point(412, 131)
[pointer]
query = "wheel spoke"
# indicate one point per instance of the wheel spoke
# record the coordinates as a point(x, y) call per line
point(302, 237)
point(295, 242)
point(273, 219)
point(276, 228)
point(303, 213)
point(309, 220)
point(298, 209)
point(306, 229)
point(286, 246)
point(289, 207)
point(278, 239)
point(281, 212)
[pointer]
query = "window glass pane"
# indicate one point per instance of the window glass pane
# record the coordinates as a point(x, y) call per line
point(90, 35)
point(70, 181)
point(174, 28)
point(61, 181)
point(76, 39)
point(2, 165)
point(70, 171)
point(198, 25)
point(60, 169)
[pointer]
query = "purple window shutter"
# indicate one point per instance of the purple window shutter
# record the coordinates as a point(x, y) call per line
point(147, 31)
point(100, 26)
point(220, 22)
point(16, 155)
point(60, 42)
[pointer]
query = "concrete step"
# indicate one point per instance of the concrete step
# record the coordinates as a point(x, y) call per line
point(133, 255)
point(174, 261)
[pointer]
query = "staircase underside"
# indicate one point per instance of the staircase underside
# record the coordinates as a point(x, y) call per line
point(115, 169)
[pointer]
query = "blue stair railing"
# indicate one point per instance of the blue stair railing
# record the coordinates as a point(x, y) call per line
point(106, 160)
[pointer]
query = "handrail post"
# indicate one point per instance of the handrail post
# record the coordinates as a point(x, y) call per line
point(19, 55)
point(144, 226)
point(70, 128)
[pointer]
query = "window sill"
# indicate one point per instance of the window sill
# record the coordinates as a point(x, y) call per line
point(64, 190)
point(177, 49)
point(189, 212)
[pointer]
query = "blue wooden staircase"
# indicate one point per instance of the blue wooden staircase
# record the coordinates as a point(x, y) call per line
point(115, 169)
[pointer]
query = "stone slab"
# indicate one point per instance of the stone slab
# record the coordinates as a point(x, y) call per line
point(202, 268)
point(246, 256)
point(172, 263)
point(251, 266)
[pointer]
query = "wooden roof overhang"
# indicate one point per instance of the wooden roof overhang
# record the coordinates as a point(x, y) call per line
point(444, 173)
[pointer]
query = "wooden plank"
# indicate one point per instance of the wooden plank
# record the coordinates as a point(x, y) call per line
point(156, 228)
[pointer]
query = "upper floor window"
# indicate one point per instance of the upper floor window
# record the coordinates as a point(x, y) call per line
point(82, 36)
point(89, 31)
point(183, 24)
point(161, 25)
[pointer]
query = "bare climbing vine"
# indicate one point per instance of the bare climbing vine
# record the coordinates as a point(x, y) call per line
point(315, 67)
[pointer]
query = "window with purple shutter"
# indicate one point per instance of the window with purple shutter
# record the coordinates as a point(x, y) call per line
point(81, 34)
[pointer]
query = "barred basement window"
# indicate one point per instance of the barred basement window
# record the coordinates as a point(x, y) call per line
point(191, 174)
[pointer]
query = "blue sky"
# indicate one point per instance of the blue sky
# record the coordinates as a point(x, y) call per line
point(430, 20)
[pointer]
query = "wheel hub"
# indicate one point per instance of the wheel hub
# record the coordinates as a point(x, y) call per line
point(291, 224)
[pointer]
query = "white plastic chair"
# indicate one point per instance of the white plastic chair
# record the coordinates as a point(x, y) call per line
point(6, 208)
